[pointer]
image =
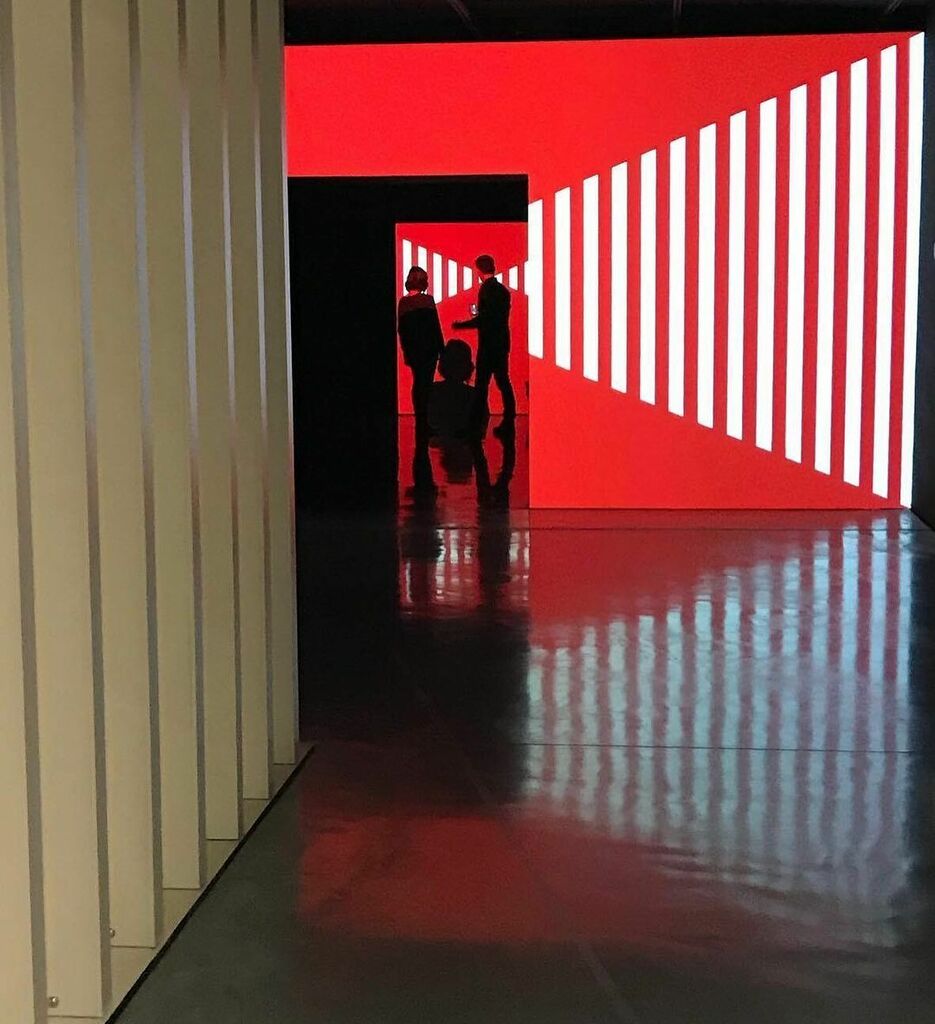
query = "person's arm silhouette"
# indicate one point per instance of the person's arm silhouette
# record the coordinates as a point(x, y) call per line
point(483, 313)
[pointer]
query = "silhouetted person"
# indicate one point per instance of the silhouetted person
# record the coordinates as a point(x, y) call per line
point(492, 323)
point(420, 336)
point(451, 402)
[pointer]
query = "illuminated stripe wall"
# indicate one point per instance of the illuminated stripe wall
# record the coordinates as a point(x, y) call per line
point(447, 278)
point(147, 673)
point(763, 274)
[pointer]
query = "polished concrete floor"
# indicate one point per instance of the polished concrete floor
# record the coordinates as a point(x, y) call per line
point(576, 768)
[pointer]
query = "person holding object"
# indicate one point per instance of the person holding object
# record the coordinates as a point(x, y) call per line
point(421, 339)
point(492, 323)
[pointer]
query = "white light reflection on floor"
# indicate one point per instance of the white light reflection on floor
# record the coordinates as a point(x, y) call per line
point(786, 679)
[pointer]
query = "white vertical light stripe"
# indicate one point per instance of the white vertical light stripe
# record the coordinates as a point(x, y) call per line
point(422, 258)
point(736, 265)
point(533, 281)
point(499, 277)
point(617, 679)
point(766, 276)
point(820, 601)
point(857, 202)
point(590, 279)
point(618, 277)
point(467, 278)
point(701, 736)
point(452, 278)
point(675, 675)
point(407, 261)
point(848, 694)
point(707, 196)
point(887, 201)
point(648, 277)
point(438, 277)
point(913, 200)
point(730, 645)
point(563, 278)
point(795, 321)
point(827, 204)
point(903, 710)
point(513, 277)
point(880, 572)
point(677, 276)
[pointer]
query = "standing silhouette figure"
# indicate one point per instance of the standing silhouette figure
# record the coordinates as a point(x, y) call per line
point(421, 339)
point(492, 324)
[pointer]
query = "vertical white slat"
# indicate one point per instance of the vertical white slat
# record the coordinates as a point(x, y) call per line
point(590, 280)
point(677, 276)
point(882, 378)
point(438, 278)
point(648, 277)
point(279, 388)
point(533, 280)
point(795, 320)
point(467, 277)
point(406, 264)
point(856, 232)
point(214, 423)
point(22, 948)
point(618, 277)
point(827, 206)
point(707, 199)
point(162, 174)
point(766, 276)
point(563, 278)
point(240, 112)
point(422, 258)
point(42, 42)
point(736, 268)
point(453, 279)
point(114, 342)
point(916, 48)
point(512, 277)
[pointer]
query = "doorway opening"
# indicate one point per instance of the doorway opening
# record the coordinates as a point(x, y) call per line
point(344, 275)
point(464, 465)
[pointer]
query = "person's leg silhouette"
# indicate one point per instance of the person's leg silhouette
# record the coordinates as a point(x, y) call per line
point(422, 377)
point(502, 377)
point(501, 374)
point(481, 410)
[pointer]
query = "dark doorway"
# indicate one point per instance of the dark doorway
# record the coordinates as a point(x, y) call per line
point(342, 252)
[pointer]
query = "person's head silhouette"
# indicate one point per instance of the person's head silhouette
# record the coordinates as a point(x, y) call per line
point(456, 363)
point(486, 266)
point(417, 280)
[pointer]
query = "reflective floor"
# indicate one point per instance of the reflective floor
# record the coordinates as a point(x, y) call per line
point(448, 480)
point(580, 767)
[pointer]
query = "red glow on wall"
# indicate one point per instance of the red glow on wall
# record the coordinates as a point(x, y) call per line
point(721, 273)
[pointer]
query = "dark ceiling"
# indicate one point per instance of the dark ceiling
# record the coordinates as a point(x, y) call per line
point(384, 21)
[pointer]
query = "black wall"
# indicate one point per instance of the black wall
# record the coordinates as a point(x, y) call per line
point(924, 470)
point(363, 21)
point(342, 247)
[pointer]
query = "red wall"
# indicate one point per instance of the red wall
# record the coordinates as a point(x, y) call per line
point(461, 244)
point(798, 394)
